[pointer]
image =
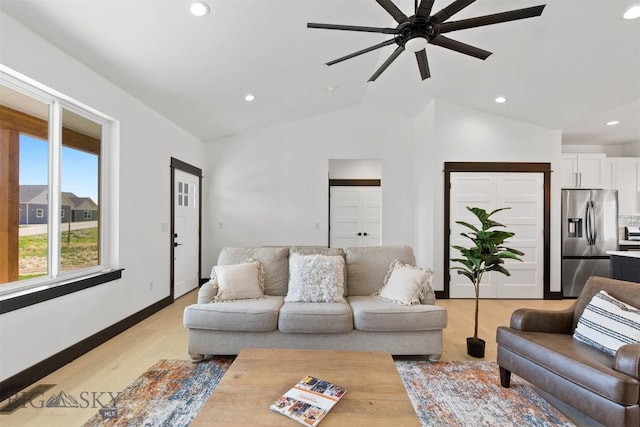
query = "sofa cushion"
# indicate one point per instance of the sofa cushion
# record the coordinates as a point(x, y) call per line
point(577, 362)
point(607, 324)
point(371, 313)
point(258, 315)
point(405, 284)
point(368, 266)
point(315, 278)
point(239, 281)
point(315, 317)
point(321, 250)
point(275, 261)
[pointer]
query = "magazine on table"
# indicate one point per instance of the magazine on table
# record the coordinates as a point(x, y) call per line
point(309, 401)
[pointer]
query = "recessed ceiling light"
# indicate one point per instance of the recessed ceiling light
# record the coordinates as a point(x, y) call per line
point(332, 88)
point(613, 123)
point(501, 100)
point(632, 13)
point(199, 8)
point(249, 97)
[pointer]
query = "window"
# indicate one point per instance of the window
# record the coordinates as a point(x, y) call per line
point(53, 172)
point(183, 193)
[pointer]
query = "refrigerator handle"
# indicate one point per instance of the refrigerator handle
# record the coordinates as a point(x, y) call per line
point(589, 221)
point(593, 223)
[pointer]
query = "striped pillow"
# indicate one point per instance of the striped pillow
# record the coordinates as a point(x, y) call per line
point(607, 324)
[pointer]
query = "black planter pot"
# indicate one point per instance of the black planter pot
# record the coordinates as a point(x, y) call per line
point(475, 348)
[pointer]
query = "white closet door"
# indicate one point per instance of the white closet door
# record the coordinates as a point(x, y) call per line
point(355, 216)
point(524, 193)
point(474, 190)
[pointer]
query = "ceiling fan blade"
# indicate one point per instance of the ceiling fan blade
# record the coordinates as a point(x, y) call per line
point(467, 49)
point(424, 9)
point(451, 10)
point(496, 18)
point(352, 28)
point(386, 63)
point(360, 52)
point(393, 10)
point(423, 64)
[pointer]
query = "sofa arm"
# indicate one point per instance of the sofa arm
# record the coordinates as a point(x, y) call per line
point(628, 360)
point(557, 322)
point(208, 292)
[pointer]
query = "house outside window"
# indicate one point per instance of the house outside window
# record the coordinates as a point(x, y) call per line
point(54, 160)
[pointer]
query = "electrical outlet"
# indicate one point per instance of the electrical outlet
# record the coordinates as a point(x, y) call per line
point(317, 226)
point(220, 225)
point(150, 285)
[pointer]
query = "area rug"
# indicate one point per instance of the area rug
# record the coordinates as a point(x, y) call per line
point(172, 392)
point(470, 394)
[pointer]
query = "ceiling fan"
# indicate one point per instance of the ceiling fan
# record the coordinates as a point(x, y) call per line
point(415, 32)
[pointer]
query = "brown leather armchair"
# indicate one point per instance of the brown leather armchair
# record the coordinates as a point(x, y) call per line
point(539, 347)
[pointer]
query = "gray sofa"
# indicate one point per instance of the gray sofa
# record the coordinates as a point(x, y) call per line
point(362, 323)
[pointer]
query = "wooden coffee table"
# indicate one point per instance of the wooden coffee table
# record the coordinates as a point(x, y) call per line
point(375, 393)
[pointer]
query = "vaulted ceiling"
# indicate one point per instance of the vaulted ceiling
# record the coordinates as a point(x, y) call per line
point(573, 68)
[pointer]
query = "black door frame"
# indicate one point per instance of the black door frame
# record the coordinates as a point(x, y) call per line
point(544, 168)
point(185, 167)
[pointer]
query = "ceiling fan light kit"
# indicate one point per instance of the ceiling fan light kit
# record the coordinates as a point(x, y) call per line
point(413, 33)
point(416, 44)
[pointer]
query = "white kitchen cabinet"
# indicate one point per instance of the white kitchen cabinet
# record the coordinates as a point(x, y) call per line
point(625, 177)
point(584, 170)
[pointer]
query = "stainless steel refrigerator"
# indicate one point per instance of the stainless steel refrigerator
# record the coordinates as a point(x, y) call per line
point(589, 230)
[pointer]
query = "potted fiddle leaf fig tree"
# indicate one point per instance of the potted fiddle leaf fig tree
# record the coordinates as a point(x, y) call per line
point(486, 254)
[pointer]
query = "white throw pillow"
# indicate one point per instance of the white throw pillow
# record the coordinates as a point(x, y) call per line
point(607, 324)
point(239, 281)
point(405, 284)
point(315, 278)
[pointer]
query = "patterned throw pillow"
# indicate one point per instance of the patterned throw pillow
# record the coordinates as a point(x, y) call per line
point(239, 281)
point(406, 284)
point(607, 324)
point(315, 278)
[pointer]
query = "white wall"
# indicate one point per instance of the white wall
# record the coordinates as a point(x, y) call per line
point(147, 142)
point(630, 149)
point(270, 186)
point(355, 169)
point(446, 133)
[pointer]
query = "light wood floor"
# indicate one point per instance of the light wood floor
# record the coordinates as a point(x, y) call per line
point(118, 362)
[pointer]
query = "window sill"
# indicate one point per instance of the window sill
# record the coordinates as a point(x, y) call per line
point(11, 303)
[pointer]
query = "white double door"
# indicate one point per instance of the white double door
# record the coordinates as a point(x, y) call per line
point(355, 216)
point(524, 194)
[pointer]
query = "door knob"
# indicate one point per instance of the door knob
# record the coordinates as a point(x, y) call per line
point(176, 244)
point(365, 234)
point(359, 234)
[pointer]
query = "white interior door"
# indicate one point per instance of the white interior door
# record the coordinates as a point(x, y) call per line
point(186, 231)
point(355, 216)
point(524, 193)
